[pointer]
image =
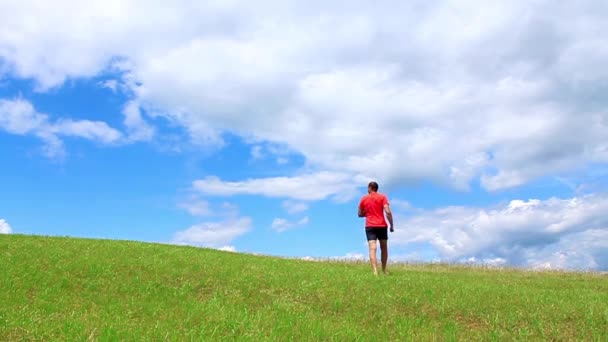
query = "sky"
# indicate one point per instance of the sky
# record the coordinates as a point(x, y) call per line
point(255, 126)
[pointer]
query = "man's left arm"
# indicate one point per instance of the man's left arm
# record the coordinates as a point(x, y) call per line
point(389, 214)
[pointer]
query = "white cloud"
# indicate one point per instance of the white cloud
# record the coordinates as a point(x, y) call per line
point(261, 151)
point(18, 116)
point(281, 224)
point(91, 130)
point(213, 234)
point(402, 205)
point(561, 233)
point(5, 228)
point(256, 152)
point(195, 206)
point(109, 84)
point(227, 249)
point(137, 127)
point(502, 92)
point(314, 186)
point(228, 209)
point(352, 257)
point(294, 207)
point(308, 258)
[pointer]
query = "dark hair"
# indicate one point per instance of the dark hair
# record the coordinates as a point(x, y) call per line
point(373, 186)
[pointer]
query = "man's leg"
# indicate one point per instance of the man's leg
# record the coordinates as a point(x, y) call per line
point(372, 255)
point(384, 251)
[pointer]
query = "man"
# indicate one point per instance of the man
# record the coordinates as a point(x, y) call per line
point(373, 206)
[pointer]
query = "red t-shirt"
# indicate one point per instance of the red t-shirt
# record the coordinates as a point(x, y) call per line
point(373, 206)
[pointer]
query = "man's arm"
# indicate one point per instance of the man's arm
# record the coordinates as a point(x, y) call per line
point(361, 210)
point(389, 216)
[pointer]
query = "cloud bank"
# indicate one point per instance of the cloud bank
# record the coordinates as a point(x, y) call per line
point(214, 234)
point(555, 233)
point(306, 187)
point(454, 92)
point(280, 224)
point(19, 117)
point(5, 228)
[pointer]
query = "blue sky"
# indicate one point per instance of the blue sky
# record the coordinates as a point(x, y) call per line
point(256, 128)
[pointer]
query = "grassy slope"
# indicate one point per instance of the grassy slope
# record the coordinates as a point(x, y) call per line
point(67, 289)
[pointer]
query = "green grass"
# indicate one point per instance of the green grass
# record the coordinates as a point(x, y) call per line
point(79, 289)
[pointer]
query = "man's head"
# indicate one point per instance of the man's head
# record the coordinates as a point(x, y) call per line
point(372, 187)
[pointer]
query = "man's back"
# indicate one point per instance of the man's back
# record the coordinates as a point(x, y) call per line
point(373, 206)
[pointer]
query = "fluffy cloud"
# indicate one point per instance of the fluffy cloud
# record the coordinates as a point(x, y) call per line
point(281, 224)
point(18, 116)
point(195, 206)
point(351, 257)
point(501, 92)
point(256, 152)
point(213, 234)
point(264, 151)
point(5, 228)
point(401, 205)
point(294, 207)
point(138, 129)
point(555, 233)
point(308, 187)
point(227, 249)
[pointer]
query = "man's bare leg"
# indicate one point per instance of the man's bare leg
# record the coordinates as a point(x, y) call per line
point(384, 256)
point(372, 256)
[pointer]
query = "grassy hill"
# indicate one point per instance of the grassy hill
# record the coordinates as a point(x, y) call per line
point(79, 289)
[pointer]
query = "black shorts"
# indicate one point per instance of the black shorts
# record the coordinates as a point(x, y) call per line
point(376, 233)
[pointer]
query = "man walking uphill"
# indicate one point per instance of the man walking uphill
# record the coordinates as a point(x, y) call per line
point(372, 207)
